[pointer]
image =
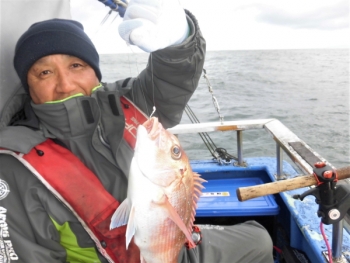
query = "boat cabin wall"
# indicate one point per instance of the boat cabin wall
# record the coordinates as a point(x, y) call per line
point(15, 18)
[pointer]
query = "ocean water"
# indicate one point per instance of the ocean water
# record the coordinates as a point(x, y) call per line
point(307, 90)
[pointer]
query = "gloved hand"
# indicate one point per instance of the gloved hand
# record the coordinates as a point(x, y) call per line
point(154, 24)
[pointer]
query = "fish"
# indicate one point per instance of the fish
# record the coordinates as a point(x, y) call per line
point(162, 196)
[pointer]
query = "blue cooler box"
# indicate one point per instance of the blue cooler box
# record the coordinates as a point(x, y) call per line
point(219, 198)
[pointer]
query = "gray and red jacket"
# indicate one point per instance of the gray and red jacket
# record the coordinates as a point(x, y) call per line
point(35, 225)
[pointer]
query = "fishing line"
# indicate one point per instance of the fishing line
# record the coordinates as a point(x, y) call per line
point(102, 22)
point(119, 2)
point(204, 136)
point(138, 73)
point(116, 16)
point(154, 102)
point(105, 18)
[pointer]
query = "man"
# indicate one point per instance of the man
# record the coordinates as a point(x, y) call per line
point(65, 103)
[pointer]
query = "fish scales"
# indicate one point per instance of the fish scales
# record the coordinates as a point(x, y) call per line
point(162, 195)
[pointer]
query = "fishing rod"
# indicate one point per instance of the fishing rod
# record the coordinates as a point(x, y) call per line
point(118, 6)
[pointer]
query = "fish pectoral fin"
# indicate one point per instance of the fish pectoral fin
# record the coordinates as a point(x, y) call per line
point(173, 215)
point(121, 215)
point(131, 228)
point(159, 197)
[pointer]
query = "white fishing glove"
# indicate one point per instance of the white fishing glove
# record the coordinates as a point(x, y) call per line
point(154, 24)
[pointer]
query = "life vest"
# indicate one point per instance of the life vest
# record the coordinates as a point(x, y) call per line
point(82, 192)
point(133, 118)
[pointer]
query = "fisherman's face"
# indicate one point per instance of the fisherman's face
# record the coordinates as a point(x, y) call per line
point(56, 77)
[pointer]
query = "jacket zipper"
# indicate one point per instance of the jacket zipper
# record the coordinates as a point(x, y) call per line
point(100, 136)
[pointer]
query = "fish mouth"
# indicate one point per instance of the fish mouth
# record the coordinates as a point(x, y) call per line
point(153, 127)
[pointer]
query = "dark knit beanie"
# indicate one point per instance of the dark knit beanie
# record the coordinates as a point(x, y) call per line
point(55, 36)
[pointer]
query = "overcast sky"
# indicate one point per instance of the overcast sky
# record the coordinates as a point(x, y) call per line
point(239, 24)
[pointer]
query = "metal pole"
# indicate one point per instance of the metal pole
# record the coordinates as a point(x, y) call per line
point(337, 240)
point(279, 162)
point(239, 147)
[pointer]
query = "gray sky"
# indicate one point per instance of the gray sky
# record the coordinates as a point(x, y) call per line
point(239, 24)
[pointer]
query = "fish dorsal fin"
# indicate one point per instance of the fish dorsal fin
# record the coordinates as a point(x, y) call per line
point(121, 215)
point(197, 192)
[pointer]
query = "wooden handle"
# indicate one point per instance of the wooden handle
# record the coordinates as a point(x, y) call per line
point(246, 193)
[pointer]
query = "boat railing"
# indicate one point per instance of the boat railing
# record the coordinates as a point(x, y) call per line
point(283, 137)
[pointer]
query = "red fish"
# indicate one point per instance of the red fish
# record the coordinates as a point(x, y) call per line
point(162, 196)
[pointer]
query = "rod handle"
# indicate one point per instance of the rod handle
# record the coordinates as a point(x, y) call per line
point(249, 192)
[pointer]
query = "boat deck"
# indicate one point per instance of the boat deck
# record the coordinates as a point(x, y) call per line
point(291, 223)
point(298, 218)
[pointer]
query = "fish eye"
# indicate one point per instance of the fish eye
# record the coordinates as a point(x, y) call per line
point(175, 152)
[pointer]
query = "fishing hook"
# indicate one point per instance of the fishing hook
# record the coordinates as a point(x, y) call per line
point(154, 110)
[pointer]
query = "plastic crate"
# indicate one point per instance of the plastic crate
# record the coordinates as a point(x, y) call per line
point(219, 199)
